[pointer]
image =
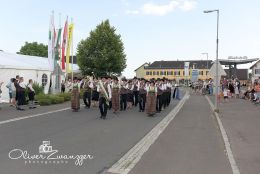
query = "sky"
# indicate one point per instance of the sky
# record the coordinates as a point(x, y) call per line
point(152, 30)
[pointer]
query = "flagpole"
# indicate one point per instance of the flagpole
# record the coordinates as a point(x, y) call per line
point(72, 61)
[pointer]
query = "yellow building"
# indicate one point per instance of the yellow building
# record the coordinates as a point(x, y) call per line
point(140, 71)
point(174, 70)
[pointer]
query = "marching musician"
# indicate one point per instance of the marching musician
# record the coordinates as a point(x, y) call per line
point(75, 98)
point(87, 91)
point(160, 89)
point(104, 96)
point(115, 94)
point(151, 99)
point(136, 91)
point(123, 95)
point(142, 95)
point(130, 95)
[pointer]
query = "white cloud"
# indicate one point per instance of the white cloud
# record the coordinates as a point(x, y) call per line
point(188, 5)
point(164, 9)
point(161, 10)
point(132, 12)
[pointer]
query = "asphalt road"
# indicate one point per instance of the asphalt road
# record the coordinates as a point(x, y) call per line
point(71, 133)
point(191, 144)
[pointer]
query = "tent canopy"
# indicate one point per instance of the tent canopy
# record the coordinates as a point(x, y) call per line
point(17, 61)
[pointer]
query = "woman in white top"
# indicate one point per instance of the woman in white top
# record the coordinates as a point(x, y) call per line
point(31, 94)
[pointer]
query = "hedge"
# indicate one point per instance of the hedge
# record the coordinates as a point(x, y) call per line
point(52, 99)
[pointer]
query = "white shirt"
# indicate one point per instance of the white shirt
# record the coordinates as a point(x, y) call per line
point(30, 87)
point(22, 85)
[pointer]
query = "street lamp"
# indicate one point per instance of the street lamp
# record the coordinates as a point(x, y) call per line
point(216, 78)
point(207, 63)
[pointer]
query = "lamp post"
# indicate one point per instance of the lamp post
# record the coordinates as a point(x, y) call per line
point(217, 76)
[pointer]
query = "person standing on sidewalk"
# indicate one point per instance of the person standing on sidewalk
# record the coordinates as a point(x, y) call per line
point(21, 94)
point(31, 94)
point(136, 91)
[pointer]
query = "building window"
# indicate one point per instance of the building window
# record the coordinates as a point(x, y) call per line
point(201, 73)
point(170, 73)
point(151, 73)
point(154, 73)
point(257, 71)
point(164, 73)
point(158, 73)
point(161, 73)
point(177, 73)
point(44, 79)
point(147, 73)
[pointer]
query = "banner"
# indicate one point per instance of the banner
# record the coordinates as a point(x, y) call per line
point(51, 43)
point(70, 34)
point(186, 69)
point(194, 75)
point(57, 45)
point(64, 42)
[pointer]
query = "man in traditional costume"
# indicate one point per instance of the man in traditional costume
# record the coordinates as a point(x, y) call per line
point(142, 95)
point(123, 95)
point(87, 91)
point(104, 96)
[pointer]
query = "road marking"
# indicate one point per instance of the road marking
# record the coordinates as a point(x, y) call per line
point(230, 155)
point(131, 158)
point(31, 116)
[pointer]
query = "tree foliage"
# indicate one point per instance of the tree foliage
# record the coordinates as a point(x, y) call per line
point(34, 49)
point(102, 52)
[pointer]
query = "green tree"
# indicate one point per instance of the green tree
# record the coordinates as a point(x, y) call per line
point(102, 52)
point(34, 49)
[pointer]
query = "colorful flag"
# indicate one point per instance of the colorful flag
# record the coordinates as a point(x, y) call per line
point(70, 35)
point(64, 41)
point(51, 43)
point(57, 45)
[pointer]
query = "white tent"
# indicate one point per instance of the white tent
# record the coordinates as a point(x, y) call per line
point(29, 67)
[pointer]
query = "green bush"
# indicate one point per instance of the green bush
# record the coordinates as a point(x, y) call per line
point(37, 88)
point(44, 102)
point(66, 96)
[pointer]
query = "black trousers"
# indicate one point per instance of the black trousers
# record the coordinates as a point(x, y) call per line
point(169, 98)
point(164, 100)
point(103, 107)
point(142, 100)
point(123, 103)
point(21, 98)
point(159, 103)
point(87, 99)
point(136, 98)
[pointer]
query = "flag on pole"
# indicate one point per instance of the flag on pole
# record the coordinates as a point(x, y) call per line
point(51, 43)
point(57, 45)
point(64, 41)
point(70, 33)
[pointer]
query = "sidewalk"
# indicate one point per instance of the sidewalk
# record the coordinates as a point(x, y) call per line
point(191, 144)
point(241, 120)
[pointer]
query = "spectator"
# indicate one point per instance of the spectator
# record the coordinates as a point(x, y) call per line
point(31, 94)
point(10, 90)
point(63, 87)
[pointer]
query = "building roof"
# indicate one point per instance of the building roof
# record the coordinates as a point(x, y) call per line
point(199, 64)
point(141, 66)
point(255, 64)
point(236, 61)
